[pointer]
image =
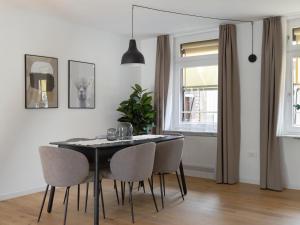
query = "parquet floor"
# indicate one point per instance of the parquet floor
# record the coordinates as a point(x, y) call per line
point(206, 204)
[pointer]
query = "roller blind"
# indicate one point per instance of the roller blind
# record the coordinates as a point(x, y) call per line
point(296, 36)
point(200, 77)
point(198, 48)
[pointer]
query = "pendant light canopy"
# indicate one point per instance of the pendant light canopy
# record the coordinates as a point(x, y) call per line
point(133, 56)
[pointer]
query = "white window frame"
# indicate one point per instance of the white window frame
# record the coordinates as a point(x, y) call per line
point(193, 61)
point(292, 51)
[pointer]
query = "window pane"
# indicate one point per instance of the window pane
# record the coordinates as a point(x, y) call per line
point(296, 91)
point(200, 95)
point(296, 36)
point(199, 48)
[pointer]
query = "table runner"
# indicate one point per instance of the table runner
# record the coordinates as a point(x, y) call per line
point(105, 141)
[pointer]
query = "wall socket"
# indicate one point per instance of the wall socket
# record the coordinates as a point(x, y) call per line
point(252, 155)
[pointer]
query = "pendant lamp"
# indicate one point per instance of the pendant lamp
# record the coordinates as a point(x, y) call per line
point(133, 56)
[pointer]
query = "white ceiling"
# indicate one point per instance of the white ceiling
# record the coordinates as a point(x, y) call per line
point(115, 15)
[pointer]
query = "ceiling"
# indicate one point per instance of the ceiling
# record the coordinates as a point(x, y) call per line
point(115, 15)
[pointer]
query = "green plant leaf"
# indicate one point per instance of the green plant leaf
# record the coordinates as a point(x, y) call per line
point(138, 110)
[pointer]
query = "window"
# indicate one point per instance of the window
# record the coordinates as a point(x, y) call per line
point(296, 36)
point(195, 101)
point(296, 91)
point(291, 123)
point(200, 94)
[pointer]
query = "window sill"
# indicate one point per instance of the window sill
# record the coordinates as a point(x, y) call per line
point(192, 133)
point(296, 136)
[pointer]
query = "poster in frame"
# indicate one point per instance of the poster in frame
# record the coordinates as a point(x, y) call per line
point(81, 85)
point(41, 82)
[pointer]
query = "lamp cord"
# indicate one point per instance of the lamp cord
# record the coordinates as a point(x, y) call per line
point(132, 8)
point(252, 36)
point(191, 15)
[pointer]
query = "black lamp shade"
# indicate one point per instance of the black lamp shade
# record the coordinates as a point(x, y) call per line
point(133, 55)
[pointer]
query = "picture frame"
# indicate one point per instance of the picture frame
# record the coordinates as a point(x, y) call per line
point(41, 82)
point(81, 85)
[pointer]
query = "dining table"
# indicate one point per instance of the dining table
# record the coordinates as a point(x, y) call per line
point(100, 150)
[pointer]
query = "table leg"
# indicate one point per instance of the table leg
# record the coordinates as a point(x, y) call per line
point(182, 178)
point(96, 185)
point(50, 203)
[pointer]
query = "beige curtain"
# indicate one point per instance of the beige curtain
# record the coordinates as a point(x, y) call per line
point(228, 150)
point(271, 65)
point(162, 76)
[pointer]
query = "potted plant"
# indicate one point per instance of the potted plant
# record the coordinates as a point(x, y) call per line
point(138, 110)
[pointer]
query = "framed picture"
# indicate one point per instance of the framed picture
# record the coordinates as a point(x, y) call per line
point(41, 82)
point(81, 85)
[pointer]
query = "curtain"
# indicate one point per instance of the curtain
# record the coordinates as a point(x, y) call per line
point(271, 68)
point(228, 147)
point(162, 76)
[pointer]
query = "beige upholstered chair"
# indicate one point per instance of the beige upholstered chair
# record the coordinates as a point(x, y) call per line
point(78, 186)
point(62, 168)
point(132, 164)
point(103, 165)
point(167, 160)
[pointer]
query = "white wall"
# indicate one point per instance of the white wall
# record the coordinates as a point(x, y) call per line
point(21, 130)
point(250, 101)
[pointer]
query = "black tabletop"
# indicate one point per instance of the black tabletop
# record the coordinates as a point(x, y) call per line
point(119, 144)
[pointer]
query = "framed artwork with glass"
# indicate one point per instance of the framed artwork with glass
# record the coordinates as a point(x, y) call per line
point(81, 85)
point(41, 82)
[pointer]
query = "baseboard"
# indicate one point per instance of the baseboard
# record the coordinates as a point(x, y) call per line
point(209, 173)
point(199, 171)
point(292, 186)
point(11, 195)
point(249, 181)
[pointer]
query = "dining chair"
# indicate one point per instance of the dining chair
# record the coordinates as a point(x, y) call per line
point(78, 186)
point(132, 164)
point(167, 160)
point(103, 165)
point(62, 168)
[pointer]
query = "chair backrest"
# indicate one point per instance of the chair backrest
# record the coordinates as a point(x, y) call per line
point(167, 156)
point(63, 167)
point(133, 163)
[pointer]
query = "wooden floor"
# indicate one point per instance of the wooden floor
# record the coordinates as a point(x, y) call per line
point(206, 203)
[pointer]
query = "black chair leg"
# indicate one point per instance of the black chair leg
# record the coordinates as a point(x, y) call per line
point(151, 188)
point(161, 191)
point(86, 196)
point(123, 191)
point(65, 197)
point(152, 182)
point(179, 184)
point(139, 186)
point(131, 200)
point(117, 193)
point(78, 196)
point(43, 203)
point(164, 184)
point(143, 185)
point(66, 205)
point(102, 200)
